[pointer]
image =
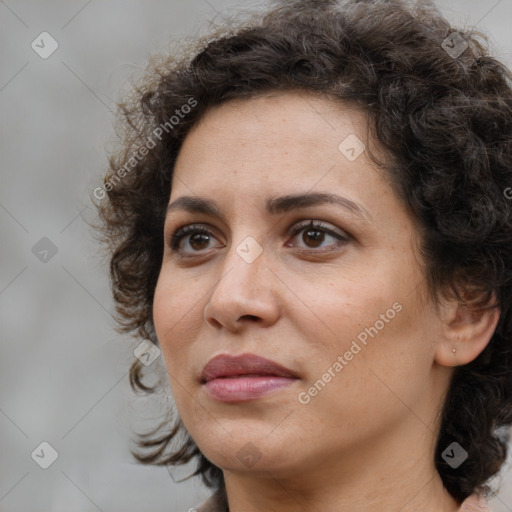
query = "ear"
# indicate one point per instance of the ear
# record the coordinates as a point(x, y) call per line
point(466, 329)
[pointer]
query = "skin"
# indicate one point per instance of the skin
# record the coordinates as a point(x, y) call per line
point(366, 441)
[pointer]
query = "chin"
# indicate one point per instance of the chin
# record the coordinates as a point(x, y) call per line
point(256, 453)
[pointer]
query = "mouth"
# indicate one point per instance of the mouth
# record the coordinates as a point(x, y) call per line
point(245, 377)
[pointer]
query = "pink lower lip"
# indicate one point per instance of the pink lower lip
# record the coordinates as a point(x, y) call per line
point(244, 388)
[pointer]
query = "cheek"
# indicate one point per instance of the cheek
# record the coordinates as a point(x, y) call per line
point(340, 306)
point(376, 326)
point(177, 316)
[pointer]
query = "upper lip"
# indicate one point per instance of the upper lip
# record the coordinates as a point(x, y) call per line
point(225, 365)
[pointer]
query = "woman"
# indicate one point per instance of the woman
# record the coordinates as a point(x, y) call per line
point(309, 217)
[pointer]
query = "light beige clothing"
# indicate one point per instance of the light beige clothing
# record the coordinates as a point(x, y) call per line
point(215, 503)
point(475, 504)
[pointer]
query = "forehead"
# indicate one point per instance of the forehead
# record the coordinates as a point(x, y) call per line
point(278, 118)
point(292, 140)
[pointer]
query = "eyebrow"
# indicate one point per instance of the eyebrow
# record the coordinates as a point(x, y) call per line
point(274, 206)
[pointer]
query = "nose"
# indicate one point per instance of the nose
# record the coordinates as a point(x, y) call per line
point(246, 292)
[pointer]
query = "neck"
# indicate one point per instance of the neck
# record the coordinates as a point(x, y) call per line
point(247, 494)
point(391, 475)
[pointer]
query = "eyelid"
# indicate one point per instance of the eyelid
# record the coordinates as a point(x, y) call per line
point(318, 224)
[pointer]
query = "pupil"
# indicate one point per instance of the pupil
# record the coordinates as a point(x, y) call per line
point(315, 235)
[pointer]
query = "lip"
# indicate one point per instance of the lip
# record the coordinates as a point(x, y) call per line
point(244, 377)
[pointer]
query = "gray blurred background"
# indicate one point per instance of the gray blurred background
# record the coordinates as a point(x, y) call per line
point(63, 369)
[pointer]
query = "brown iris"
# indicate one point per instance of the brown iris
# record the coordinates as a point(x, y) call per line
point(199, 241)
point(315, 235)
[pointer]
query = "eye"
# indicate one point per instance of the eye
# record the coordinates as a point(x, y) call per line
point(314, 234)
point(193, 239)
point(195, 236)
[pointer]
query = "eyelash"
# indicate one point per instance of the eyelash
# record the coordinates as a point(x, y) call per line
point(182, 232)
point(319, 226)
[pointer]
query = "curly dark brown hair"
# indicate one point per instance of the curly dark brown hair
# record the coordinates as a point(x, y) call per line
point(441, 109)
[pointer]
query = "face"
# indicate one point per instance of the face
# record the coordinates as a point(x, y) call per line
point(328, 285)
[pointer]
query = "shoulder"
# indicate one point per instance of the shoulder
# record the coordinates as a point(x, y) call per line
point(475, 503)
point(215, 503)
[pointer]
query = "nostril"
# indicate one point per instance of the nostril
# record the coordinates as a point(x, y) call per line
point(213, 322)
point(249, 317)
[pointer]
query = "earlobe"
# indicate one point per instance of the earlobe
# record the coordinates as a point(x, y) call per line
point(466, 331)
